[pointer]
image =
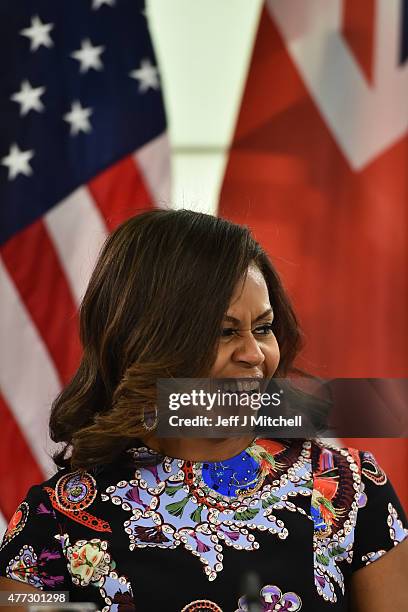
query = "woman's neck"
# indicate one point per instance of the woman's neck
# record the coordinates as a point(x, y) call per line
point(198, 449)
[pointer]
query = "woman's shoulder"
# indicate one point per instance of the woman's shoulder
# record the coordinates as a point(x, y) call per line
point(67, 493)
point(354, 502)
point(73, 484)
point(327, 453)
point(348, 480)
point(68, 501)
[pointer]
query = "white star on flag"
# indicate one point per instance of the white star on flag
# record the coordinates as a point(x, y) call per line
point(88, 56)
point(17, 162)
point(78, 118)
point(147, 75)
point(38, 33)
point(29, 98)
point(96, 4)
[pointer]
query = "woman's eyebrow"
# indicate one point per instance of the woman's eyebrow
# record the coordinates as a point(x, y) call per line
point(261, 316)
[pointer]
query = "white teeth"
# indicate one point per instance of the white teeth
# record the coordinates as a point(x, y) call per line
point(241, 385)
point(230, 386)
point(253, 385)
point(248, 385)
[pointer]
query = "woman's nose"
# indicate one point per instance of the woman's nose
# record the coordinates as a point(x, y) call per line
point(248, 350)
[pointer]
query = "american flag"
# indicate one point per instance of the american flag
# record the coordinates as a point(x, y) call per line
point(82, 147)
point(319, 169)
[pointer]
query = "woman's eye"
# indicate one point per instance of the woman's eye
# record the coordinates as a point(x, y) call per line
point(261, 330)
point(227, 332)
point(264, 330)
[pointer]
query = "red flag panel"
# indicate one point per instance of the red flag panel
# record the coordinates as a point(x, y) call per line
point(332, 218)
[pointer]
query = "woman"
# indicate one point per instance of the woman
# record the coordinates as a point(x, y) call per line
point(134, 521)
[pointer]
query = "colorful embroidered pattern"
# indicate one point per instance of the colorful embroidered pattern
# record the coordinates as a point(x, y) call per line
point(362, 500)
point(295, 504)
point(77, 514)
point(89, 562)
point(27, 567)
point(244, 474)
point(334, 512)
point(325, 488)
point(201, 605)
point(273, 600)
point(397, 531)
point(397, 534)
point(372, 470)
point(117, 593)
point(373, 556)
point(178, 504)
point(16, 524)
point(75, 491)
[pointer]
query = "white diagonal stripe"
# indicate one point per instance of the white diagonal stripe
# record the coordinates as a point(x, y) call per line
point(28, 379)
point(153, 160)
point(78, 231)
point(366, 118)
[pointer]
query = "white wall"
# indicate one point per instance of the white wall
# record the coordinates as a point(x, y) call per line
point(203, 49)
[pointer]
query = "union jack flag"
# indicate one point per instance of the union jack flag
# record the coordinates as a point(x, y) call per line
point(83, 146)
point(318, 168)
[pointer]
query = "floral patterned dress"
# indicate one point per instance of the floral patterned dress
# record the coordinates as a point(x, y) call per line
point(150, 533)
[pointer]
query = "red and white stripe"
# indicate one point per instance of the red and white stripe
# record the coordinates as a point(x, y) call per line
point(44, 271)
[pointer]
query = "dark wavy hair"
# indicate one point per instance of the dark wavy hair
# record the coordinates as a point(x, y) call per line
point(153, 309)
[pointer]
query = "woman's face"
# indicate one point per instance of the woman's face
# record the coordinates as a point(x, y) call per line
point(247, 347)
